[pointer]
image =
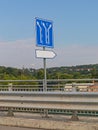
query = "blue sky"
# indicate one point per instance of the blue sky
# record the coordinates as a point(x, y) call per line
point(75, 25)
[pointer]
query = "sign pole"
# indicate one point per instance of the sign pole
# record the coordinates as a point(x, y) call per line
point(45, 76)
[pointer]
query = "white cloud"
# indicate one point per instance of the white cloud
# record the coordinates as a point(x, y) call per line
point(17, 53)
point(22, 53)
point(77, 54)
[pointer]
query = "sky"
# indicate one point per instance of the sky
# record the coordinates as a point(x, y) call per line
point(75, 28)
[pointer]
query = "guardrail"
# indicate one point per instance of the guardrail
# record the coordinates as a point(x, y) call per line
point(67, 96)
point(47, 101)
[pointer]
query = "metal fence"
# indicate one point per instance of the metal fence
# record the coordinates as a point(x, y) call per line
point(69, 85)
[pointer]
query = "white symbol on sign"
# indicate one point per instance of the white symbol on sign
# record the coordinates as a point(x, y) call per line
point(46, 35)
point(47, 30)
point(40, 28)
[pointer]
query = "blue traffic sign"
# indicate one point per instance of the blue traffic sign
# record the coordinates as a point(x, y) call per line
point(44, 33)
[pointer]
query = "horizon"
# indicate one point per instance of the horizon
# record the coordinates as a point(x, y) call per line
point(49, 67)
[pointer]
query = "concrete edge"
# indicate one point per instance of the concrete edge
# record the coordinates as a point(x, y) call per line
point(47, 124)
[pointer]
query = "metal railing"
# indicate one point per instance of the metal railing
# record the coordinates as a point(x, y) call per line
point(44, 102)
point(52, 85)
point(67, 96)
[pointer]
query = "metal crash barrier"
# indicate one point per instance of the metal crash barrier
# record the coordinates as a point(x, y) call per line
point(71, 97)
point(45, 101)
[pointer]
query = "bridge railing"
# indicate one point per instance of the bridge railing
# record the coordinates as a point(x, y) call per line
point(68, 85)
point(61, 95)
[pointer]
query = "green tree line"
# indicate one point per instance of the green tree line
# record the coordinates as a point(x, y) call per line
point(72, 72)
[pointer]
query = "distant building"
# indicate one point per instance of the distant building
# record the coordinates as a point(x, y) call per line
point(81, 87)
point(93, 88)
point(68, 88)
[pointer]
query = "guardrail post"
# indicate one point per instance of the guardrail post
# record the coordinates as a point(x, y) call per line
point(44, 85)
point(73, 87)
point(10, 86)
point(74, 116)
point(10, 112)
point(45, 113)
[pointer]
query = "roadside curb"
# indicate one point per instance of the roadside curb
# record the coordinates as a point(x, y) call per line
point(48, 124)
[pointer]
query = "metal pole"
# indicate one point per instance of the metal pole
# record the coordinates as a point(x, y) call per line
point(45, 76)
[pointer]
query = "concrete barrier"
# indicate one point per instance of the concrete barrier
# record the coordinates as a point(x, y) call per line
point(48, 124)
